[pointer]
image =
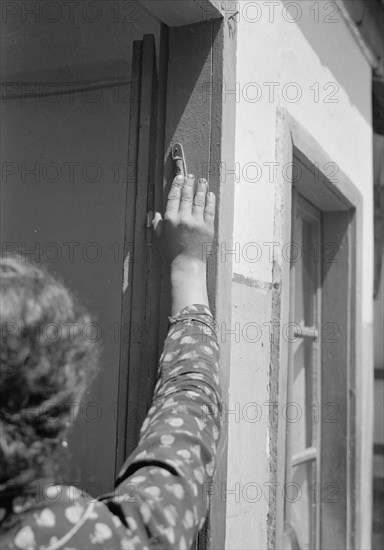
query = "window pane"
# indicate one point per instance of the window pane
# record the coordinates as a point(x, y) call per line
point(303, 390)
point(301, 496)
point(301, 407)
point(310, 250)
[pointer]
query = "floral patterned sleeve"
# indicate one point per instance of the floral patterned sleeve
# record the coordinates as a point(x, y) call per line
point(162, 492)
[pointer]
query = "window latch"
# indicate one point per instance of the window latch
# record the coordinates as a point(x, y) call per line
point(178, 158)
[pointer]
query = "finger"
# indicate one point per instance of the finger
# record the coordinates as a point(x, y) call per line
point(209, 210)
point(200, 198)
point(173, 201)
point(187, 195)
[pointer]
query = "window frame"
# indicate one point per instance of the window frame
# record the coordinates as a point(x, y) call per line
point(337, 195)
point(312, 453)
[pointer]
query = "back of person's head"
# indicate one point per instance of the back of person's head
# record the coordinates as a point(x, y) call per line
point(46, 362)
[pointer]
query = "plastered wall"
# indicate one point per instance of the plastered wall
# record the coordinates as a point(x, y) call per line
point(309, 64)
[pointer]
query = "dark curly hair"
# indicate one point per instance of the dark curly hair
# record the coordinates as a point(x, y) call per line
point(46, 363)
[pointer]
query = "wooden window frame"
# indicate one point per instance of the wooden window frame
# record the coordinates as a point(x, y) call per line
point(312, 453)
point(337, 195)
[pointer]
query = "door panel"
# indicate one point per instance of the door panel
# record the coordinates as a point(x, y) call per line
point(140, 311)
point(63, 194)
point(76, 227)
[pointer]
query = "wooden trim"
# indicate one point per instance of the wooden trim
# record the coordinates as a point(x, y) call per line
point(186, 110)
point(336, 306)
point(281, 315)
point(222, 150)
point(289, 378)
point(139, 364)
point(130, 334)
point(156, 187)
point(351, 377)
point(189, 46)
point(311, 153)
point(198, 117)
point(126, 303)
point(139, 313)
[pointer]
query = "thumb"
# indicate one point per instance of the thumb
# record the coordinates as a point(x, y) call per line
point(157, 223)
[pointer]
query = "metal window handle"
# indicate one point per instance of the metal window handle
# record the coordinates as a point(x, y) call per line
point(310, 453)
point(179, 159)
point(307, 332)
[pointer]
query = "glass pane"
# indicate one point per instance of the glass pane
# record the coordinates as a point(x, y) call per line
point(311, 282)
point(301, 408)
point(310, 249)
point(303, 389)
point(301, 495)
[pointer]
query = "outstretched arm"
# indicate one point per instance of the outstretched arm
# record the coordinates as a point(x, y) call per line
point(162, 493)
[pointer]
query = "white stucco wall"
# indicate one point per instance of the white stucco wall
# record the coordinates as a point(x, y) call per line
point(273, 50)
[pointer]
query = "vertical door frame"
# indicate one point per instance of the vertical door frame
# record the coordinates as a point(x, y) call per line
point(208, 115)
point(219, 125)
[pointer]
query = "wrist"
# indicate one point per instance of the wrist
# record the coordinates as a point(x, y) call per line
point(188, 284)
point(188, 267)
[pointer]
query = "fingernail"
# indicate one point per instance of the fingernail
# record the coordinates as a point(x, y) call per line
point(191, 177)
point(179, 178)
point(202, 181)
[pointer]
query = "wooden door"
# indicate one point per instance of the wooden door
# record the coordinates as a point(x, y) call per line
point(66, 196)
point(75, 226)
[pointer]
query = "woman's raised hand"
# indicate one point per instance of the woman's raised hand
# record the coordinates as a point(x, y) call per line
point(185, 235)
